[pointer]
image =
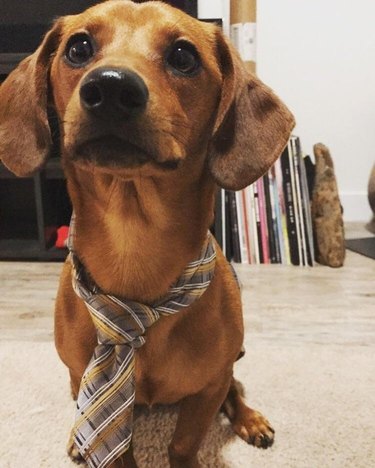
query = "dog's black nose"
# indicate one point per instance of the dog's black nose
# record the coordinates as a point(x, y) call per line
point(114, 93)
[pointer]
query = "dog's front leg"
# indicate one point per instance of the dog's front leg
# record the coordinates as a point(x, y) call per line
point(195, 416)
point(249, 424)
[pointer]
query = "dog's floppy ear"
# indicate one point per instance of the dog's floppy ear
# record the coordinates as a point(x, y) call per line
point(252, 127)
point(25, 137)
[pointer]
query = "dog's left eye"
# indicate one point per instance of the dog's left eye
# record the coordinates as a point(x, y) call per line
point(183, 58)
point(79, 49)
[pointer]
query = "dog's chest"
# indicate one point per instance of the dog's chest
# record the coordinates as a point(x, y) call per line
point(166, 382)
point(169, 367)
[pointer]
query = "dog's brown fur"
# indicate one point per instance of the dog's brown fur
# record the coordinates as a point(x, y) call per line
point(137, 228)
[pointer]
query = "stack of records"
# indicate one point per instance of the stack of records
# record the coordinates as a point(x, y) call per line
point(269, 221)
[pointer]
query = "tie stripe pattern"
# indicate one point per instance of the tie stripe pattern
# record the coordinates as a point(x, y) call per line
point(103, 425)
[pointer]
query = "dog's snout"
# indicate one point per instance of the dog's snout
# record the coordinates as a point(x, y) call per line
point(114, 93)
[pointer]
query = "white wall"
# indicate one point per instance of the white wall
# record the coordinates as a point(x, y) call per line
point(319, 57)
point(210, 9)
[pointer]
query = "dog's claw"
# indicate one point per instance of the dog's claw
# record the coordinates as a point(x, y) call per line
point(254, 429)
point(265, 441)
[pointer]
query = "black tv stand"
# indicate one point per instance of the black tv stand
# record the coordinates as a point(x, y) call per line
point(31, 209)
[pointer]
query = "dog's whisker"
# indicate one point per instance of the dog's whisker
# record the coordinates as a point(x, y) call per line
point(175, 121)
point(179, 138)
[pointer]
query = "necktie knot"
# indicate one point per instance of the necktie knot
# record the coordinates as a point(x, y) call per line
point(109, 340)
point(114, 327)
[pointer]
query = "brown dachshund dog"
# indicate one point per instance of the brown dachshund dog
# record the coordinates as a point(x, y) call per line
point(170, 114)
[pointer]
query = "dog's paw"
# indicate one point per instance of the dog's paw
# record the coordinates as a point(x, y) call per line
point(254, 428)
point(74, 454)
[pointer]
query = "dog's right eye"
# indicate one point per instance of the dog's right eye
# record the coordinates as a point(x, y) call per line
point(79, 50)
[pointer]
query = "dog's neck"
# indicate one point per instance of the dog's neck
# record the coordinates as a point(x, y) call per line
point(135, 237)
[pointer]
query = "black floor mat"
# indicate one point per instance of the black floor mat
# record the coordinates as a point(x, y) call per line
point(364, 246)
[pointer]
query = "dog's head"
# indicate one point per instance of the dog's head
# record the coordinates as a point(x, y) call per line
point(141, 88)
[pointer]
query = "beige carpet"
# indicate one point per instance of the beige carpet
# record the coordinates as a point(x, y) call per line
point(320, 399)
point(310, 367)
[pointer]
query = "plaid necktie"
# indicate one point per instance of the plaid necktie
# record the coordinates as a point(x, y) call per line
point(104, 417)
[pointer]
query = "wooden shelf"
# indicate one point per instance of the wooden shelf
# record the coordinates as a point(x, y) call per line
point(5, 173)
point(39, 186)
point(9, 61)
point(27, 249)
point(52, 170)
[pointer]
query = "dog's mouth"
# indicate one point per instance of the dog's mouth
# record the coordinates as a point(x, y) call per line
point(111, 151)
